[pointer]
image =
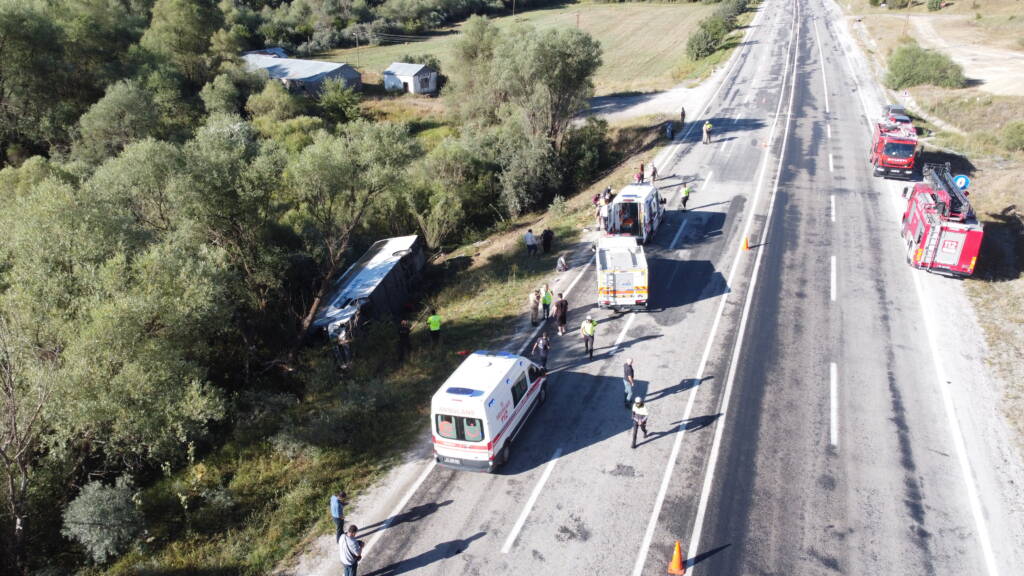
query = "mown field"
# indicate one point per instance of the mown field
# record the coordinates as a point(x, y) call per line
point(644, 43)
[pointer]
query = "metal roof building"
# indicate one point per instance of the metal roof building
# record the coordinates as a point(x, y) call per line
point(303, 75)
point(411, 78)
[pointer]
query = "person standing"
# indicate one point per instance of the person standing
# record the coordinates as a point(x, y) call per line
point(686, 194)
point(545, 239)
point(682, 117)
point(344, 347)
point(654, 173)
point(338, 502)
point(561, 313)
point(707, 132)
point(627, 380)
point(434, 323)
point(540, 350)
point(639, 418)
point(350, 550)
point(531, 243)
point(587, 330)
point(641, 172)
point(546, 297)
point(404, 339)
point(602, 215)
point(534, 303)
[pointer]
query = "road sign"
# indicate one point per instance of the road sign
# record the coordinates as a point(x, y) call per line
point(961, 181)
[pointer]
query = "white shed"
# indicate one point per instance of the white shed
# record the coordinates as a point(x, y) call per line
point(303, 75)
point(411, 78)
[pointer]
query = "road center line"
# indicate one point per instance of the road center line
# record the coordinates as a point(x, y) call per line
point(529, 503)
point(821, 57)
point(828, 130)
point(716, 445)
point(659, 501)
point(831, 164)
point(832, 201)
point(832, 275)
point(833, 394)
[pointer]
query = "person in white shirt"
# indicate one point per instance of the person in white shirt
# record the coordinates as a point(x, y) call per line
point(531, 243)
point(350, 551)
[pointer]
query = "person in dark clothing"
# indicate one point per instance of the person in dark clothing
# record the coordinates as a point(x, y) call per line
point(561, 313)
point(541, 348)
point(404, 339)
point(545, 239)
point(627, 381)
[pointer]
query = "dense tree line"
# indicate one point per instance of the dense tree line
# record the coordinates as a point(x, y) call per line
point(171, 222)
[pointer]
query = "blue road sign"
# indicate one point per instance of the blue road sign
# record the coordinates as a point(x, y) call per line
point(961, 181)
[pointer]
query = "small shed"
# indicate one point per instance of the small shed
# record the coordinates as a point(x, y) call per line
point(376, 286)
point(303, 75)
point(411, 78)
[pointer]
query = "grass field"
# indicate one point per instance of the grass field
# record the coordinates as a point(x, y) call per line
point(643, 42)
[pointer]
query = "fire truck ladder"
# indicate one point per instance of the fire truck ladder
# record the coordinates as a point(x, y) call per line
point(931, 246)
point(939, 177)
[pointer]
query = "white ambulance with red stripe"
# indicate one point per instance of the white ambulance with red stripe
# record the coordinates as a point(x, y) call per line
point(477, 413)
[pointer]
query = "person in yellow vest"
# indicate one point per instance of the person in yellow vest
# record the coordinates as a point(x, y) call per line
point(707, 132)
point(686, 194)
point(587, 329)
point(546, 298)
point(434, 323)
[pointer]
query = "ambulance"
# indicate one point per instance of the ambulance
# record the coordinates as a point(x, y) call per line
point(637, 210)
point(622, 281)
point(477, 413)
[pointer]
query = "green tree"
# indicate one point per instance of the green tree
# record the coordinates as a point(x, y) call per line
point(274, 104)
point(180, 31)
point(31, 73)
point(124, 115)
point(103, 519)
point(910, 65)
point(337, 102)
point(230, 90)
point(333, 183)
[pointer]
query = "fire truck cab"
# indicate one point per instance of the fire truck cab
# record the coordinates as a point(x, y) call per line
point(942, 233)
point(894, 150)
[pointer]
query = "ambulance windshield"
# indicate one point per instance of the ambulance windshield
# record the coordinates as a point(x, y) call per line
point(460, 428)
point(898, 150)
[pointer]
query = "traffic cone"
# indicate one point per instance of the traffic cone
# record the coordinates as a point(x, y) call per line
point(678, 563)
point(746, 243)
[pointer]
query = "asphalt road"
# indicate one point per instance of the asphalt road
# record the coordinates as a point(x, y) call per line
point(797, 423)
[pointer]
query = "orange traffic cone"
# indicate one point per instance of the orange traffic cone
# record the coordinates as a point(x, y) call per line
point(678, 563)
point(746, 243)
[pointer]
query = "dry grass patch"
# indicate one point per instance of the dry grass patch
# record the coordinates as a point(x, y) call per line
point(643, 42)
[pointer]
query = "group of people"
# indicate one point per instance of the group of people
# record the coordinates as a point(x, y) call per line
point(670, 131)
point(640, 176)
point(350, 549)
point(530, 239)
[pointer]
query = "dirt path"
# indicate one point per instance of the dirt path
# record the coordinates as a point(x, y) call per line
point(1000, 71)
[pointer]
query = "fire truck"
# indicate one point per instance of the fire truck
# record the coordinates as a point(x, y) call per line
point(894, 149)
point(942, 233)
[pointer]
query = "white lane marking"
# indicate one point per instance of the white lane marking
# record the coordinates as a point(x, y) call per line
point(716, 445)
point(659, 501)
point(832, 275)
point(565, 293)
point(679, 234)
point(833, 395)
point(960, 447)
point(828, 130)
point(831, 164)
point(401, 506)
point(529, 503)
point(821, 57)
point(832, 201)
point(554, 459)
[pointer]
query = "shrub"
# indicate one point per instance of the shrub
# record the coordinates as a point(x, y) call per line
point(911, 65)
point(874, 3)
point(934, 5)
point(702, 43)
point(1013, 136)
point(103, 519)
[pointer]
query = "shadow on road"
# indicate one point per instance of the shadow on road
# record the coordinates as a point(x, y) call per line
point(683, 385)
point(690, 563)
point(440, 552)
point(411, 515)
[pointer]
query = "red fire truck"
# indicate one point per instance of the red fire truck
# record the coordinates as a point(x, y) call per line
point(894, 149)
point(942, 233)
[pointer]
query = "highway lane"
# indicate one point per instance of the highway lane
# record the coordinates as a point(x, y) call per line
point(836, 452)
point(599, 493)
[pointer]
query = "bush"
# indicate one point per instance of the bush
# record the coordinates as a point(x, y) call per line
point(911, 65)
point(1013, 136)
point(103, 519)
point(874, 3)
point(934, 5)
point(338, 103)
point(702, 43)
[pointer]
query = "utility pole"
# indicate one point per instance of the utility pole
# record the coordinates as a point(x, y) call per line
point(513, 8)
